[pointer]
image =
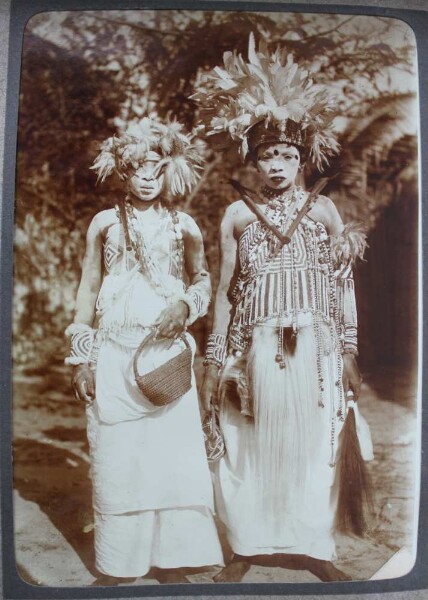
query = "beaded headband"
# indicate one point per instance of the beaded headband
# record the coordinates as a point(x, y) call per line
point(267, 133)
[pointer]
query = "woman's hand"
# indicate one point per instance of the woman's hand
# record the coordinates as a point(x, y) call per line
point(83, 382)
point(351, 377)
point(209, 390)
point(172, 320)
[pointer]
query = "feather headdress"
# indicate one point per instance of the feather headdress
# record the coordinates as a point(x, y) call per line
point(269, 90)
point(150, 138)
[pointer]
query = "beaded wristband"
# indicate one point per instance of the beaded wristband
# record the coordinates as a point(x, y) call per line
point(350, 339)
point(350, 350)
point(216, 350)
point(81, 343)
point(197, 303)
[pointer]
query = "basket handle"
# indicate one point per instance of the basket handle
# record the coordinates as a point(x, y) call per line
point(144, 343)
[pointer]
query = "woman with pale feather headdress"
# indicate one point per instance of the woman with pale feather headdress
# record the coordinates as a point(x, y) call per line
point(281, 361)
point(144, 280)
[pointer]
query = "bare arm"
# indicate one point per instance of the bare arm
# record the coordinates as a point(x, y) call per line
point(90, 281)
point(199, 289)
point(223, 306)
point(83, 380)
point(326, 212)
point(228, 254)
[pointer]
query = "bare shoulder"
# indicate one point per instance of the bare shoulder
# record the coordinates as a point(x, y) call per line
point(188, 224)
point(236, 217)
point(237, 210)
point(326, 205)
point(324, 211)
point(102, 221)
point(186, 219)
point(105, 217)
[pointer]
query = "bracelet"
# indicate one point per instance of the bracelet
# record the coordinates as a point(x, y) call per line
point(188, 301)
point(197, 303)
point(216, 350)
point(350, 339)
point(81, 343)
point(350, 350)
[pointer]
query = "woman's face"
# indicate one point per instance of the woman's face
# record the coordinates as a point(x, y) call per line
point(146, 183)
point(278, 164)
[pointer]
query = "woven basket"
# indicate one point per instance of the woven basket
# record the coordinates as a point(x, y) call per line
point(168, 382)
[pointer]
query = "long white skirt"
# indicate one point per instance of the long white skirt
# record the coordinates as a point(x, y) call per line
point(128, 545)
point(152, 489)
point(274, 484)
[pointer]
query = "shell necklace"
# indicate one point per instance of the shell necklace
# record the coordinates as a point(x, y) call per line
point(141, 246)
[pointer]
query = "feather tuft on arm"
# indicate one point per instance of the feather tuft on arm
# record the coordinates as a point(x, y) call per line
point(349, 245)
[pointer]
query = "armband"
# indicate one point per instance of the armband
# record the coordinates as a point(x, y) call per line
point(216, 350)
point(82, 338)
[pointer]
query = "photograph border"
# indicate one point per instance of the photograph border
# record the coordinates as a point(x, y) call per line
point(13, 585)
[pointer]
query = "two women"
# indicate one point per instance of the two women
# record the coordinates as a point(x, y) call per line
point(280, 359)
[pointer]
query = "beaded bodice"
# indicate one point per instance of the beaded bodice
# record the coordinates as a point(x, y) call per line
point(162, 244)
point(253, 255)
point(138, 282)
point(295, 279)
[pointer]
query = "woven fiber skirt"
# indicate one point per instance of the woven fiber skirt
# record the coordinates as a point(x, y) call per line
point(274, 484)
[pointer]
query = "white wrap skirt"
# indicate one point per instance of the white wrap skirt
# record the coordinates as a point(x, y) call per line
point(152, 490)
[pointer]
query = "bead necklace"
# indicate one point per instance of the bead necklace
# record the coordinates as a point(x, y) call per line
point(312, 268)
point(282, 211)
point(142, 251)
point(324, 260)
point(274, 194)
point(278, 199)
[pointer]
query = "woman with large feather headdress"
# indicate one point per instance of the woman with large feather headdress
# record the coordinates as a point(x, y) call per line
point(282, 356)
point(144, 277)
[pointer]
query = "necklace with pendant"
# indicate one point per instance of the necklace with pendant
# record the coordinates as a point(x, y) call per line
point(142, 246)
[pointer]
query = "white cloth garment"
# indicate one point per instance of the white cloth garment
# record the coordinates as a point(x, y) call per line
point(152, 489)
point(147, 460)
point(130, 544)
point(149, 468)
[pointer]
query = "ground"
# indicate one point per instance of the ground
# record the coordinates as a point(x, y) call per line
point(52, 495)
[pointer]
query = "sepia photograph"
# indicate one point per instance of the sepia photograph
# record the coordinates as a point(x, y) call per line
point(216, 299)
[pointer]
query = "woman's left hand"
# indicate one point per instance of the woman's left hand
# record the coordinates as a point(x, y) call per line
point(172, 321)
point(351, 375)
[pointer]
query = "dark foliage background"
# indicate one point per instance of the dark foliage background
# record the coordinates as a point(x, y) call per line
point(84, 73)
